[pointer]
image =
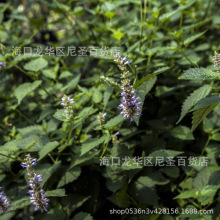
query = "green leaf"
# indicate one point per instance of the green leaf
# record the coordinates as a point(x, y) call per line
point(107, 96)
point(117, 34)
point(56, 193)
point(47, 149)
point(24, 89)
point(139, 192)
point(166, 16)
point(152, 181)
point(200, 114)
point(71, 84)
point(63, 7)
point(36, 65)
point(164, 154)
point(199, 74)
point(83, 216)
point(114, 122)
point(183, 133)
point(19, 204)
point(69, 176)
point(83, 159)
point(27, 131)
point(60, 115)
point(207, 193)
point(193, 98)
point(120, 198)
point(90, 144)
point(187, 194)
point(46, 170)
point(96, 95)
point(215, 137)
point(193, 38)
point(207, 101)
point(51, 73)
point(142, 91)
point(159, 71)
point(204, 195)
point(208, 125)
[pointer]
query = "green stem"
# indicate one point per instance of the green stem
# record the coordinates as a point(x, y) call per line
point(181, 20)
point(51, 158)
point(67, 142)
point(194, 64)
point(10, 171)
point(105, 148)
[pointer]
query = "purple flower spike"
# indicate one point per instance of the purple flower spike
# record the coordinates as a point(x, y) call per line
point(66, 103)
point(4, 202)
point(37, 194)
point(130, 106)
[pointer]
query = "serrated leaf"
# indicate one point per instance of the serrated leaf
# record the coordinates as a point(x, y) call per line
point(206, 101)
point(142, 91)
point(204, 195)
point(10, 146)
point(56, 193)
point(199, 74)
point(27, 131)
point(90, 144)
point(187, 194)
point(157, 72)
point(83, 159)
point(200, 114)
point(207, 193)
point(193, 99)
point(114, 122)
point(24, 89)
point(70, 175)
point(60, 115)
point(47, 149)
point(19, 204)
point(46, 170)
point(36, 65)
point(193, 38)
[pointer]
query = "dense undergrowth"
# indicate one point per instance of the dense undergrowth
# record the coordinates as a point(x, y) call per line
point(109, 107)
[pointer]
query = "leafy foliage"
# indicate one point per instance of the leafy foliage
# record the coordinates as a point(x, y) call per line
point(51, 50)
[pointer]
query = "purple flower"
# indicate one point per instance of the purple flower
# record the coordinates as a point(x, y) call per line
point(66, 103)
point(37, 194)
point(4, 202)
point(2, 64)
point(130, 106)
point(117, 133)
point(29, 162)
